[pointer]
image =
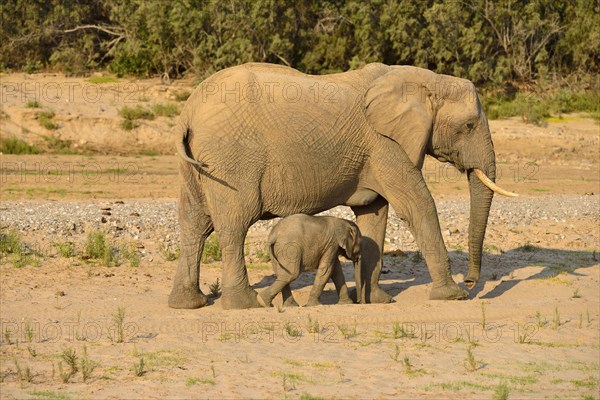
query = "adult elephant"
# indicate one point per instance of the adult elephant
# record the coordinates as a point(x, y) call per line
point(259, 141)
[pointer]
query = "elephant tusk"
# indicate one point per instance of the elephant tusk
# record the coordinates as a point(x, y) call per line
point(488, 182)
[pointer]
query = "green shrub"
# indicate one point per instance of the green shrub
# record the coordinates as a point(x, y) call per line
point(165, 110)
point(182, 95)
point(137, 112)
point(65, 249)
point(97, 247)
point(212, 250)
point(59, 146)
point(128, 124)
point(45, 118)
point(32, 104)
point(13, 145)
point(10, 242)
point(103, 79)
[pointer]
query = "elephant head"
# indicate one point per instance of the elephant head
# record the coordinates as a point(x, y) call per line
point(440, 115)
point(349, 240)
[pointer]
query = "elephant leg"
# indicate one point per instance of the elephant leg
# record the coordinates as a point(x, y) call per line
point(287, 267)
point(267, 295)
point(195, 226)
point(371, 220)
point(237, 293)
point(322, 276)
point(408, 194)
point(337, 276)
point(288, 298)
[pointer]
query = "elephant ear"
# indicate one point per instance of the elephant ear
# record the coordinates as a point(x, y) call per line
point(398, 105)
point(347, 241)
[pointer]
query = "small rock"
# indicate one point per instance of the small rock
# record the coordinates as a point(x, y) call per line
point(59, 293)
point(103, 220)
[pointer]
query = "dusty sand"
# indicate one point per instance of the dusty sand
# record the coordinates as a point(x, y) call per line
point(532, 323)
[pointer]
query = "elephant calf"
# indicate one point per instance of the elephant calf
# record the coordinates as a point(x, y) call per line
point(305, 243)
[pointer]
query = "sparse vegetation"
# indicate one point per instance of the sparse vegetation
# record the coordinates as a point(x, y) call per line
point(69, 356)
point(28, 329)
point(14, 145)
point(556, 320)
point(291, 330)
point(312, 326)
point(182, 95)
point(398, 332)
point(501, 391)
point(165, 110)
point(102, 79)
point(470, 363)
point(195, 381)
point(117, 332)
point(263, 255)
point(483, 315)
point(86, 365)
point(139, 367)
point(348, 332)
point(168, 253)
point(59, 146)
point(212, 249)
point(396, 354)
point(22, 255)
point(32, 103)
point(46, 119)
point(65, 249)
point(97, 247)
point(131, 254)
point(215, 288)
point(130, 116)
point(540, 320)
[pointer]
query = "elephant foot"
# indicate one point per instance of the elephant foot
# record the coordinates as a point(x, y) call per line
point(450, 291)
point(378, 296)
point(187, 298)
point(345, 300)
point(312, 303)
point(290, 302)
point(263, 299)
point(235, 299)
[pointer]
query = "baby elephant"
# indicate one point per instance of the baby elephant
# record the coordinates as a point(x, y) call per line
point(305, 243)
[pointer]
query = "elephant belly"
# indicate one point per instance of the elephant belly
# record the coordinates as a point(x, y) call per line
point(361, 197)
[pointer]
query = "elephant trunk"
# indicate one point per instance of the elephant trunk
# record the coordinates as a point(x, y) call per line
point(360, 295)
point(481, 201)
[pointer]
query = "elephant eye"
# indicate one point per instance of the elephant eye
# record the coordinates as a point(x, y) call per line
point(470, 125)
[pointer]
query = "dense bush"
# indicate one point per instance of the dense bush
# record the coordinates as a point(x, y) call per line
point(485, 41)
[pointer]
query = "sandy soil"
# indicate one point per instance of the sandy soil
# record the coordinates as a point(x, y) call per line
point(531, 326)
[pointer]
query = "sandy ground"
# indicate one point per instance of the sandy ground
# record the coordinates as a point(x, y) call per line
point(530, 327)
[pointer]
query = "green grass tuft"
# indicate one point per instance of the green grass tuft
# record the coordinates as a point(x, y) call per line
point(182, 95)
point(212, 250)
point(102, 79)
point(46, 120)
point(137, 112)
point(33, 104)
point(165, 110)
point(13, 145)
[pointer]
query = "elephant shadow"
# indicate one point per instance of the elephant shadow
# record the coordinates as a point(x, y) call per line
point(407, 269)
point(500, 266)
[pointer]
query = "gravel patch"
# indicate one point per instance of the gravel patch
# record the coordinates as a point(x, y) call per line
point(157, 219)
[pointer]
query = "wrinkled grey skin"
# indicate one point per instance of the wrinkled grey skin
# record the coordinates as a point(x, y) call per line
point(261, 140)
point(305, 243)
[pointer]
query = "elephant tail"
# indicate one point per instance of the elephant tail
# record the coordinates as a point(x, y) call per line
point(183, 149)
